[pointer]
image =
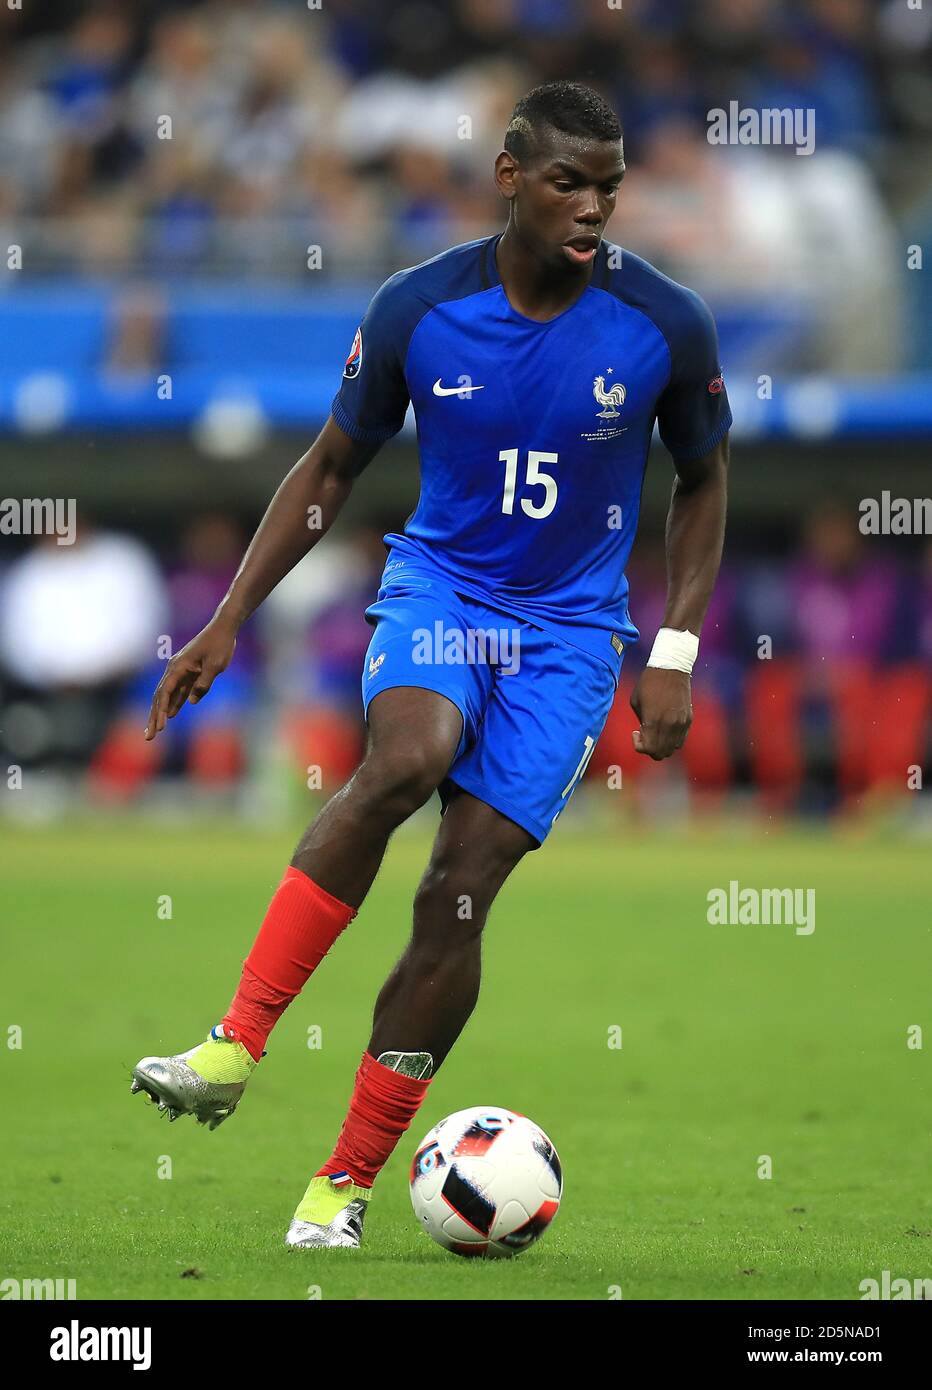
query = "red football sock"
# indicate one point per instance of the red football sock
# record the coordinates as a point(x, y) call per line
point(383, 1105)
point(300, 926)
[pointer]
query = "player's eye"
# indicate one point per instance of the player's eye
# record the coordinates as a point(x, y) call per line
point(564, 185)
point(612, 189)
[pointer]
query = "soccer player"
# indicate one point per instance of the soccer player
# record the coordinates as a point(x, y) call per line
point(537, 361)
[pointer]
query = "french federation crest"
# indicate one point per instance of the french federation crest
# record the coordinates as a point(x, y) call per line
point(354, 361)
point(615, 396)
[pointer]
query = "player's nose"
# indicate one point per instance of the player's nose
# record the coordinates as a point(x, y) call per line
point(589, 215)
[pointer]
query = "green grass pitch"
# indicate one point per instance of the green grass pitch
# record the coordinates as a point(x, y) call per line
point(737, 1042)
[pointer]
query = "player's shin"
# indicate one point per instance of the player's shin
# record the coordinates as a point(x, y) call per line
point(208, 1082)
point(387, 1095)
point(300, 926)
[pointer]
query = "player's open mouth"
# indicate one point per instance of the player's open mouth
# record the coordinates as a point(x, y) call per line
point(581, 249)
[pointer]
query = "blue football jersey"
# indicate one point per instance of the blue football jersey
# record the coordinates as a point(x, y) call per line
point(533, 437)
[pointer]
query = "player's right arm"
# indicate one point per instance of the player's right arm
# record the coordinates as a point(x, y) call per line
point(368, 409)
point(292, 525)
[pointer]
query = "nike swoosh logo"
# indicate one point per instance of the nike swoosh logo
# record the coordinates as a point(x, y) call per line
point(454, 390)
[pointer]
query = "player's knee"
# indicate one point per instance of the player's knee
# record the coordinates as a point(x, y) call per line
point(447, 911)
point(397, 783)
point(483, 861)
point(436, 895)
point(459, 886)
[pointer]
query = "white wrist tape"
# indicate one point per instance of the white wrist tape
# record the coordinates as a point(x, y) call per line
point(674, 650)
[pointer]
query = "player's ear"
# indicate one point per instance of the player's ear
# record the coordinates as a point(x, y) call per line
point(506, 172)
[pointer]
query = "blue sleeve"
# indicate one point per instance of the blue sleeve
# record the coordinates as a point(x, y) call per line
point(693, 412)
point(371, 403)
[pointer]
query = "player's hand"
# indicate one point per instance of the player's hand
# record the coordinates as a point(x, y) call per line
point(663, 704)
point(191, 672)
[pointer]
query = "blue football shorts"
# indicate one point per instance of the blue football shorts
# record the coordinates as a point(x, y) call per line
point(533, 707)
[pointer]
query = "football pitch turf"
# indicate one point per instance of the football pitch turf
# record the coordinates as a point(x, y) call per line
point(738, 1042)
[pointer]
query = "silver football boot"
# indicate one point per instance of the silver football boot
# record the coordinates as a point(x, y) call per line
point(178, 1089)
point(344, 1230)
point(332, 1211)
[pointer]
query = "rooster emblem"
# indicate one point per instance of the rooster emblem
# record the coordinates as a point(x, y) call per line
point(608, 399)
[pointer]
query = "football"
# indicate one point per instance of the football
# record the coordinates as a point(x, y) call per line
point(486, 1182)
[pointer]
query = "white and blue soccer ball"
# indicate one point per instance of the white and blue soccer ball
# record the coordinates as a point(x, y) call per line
point(486, 1182)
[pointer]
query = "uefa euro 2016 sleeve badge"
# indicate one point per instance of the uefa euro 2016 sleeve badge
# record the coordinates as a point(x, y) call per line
point(354, 361)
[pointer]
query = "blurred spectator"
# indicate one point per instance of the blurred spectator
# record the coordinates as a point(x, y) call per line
point(846, 603)
point(369, 128)
point(82, 614)
point(76, 622)
point(924, 595)
point(31, 144)
point(137, 333)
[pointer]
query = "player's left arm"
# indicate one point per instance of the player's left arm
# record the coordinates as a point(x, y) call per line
point(694, 418)
point(695, 534)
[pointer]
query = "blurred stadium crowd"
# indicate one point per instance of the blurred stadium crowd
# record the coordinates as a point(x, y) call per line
point(169, 143)
point(811, 689)
point(368, 127)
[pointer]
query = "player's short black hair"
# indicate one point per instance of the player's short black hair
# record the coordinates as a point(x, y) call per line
point(566, 106)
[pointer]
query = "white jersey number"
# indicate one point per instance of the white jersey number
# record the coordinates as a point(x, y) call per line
point(534, 477)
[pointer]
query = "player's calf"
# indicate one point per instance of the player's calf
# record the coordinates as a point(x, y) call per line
point(386, 1097)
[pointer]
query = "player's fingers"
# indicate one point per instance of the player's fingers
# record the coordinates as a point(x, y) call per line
point(205, 679)
point(181, 688)
point(171, 694)
point(679, 729)
point(656, 741)
point(152, 721)
point(159, 706)
point(644, 741)
point(669, 740)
